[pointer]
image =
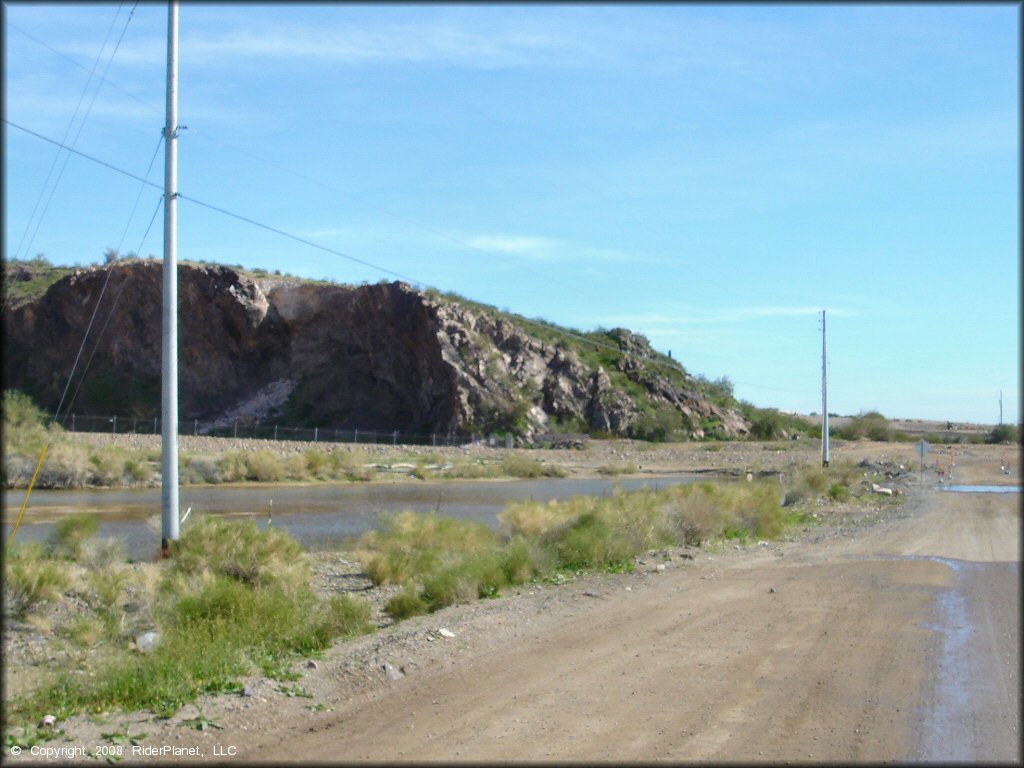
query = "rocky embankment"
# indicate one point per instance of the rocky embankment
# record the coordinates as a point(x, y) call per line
point(383, 356)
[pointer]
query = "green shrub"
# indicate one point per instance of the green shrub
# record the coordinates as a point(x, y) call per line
point(24, 424)
point(517, 465)
point(317, 464)
point(30, 577)
point(838, 492)
point(136, 471)
point(410, 547)
point(659, 423)
point(239, 550)
point(871, 425)
point(106, 586)
point(107, 468)
point(1004, 433)
point(70, 533)
point(345, 616)
point(406, 604)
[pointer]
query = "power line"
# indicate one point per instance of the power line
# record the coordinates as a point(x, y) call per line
point(218, 209)
point(81, 125)
point(67, 132)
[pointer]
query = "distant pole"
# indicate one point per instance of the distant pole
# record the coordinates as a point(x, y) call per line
point(824, 395)
point(169, 369)
point(1000, 406)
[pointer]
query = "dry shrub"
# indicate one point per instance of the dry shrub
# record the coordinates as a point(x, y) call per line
point(534, 519)
point(294, 467)
point(233, 467)
point(202, 469)
point(264, 467)
point(693, 513)
point(66, 466)
point(97, 553)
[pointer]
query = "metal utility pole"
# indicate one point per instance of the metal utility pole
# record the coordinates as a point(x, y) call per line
point(169, 360)
point(824, 395)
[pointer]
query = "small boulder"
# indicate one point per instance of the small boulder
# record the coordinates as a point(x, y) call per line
point(147, 641)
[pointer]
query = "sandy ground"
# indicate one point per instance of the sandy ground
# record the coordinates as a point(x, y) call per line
point(890, 634)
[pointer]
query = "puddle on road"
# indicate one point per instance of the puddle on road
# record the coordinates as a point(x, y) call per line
point(946, 734)
point(981, 488)
point(947, 712)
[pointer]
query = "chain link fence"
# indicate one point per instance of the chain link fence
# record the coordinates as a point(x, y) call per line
point(120, 425)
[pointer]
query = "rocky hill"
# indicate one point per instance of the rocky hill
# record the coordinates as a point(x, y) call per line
point(383, 356)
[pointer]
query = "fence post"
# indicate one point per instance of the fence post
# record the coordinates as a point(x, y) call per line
point(72, 422)
point(114, 422)
point(394, 438)
point(236, 429)
point(355, 436)
point(155, 431)
point(134, 419)
point(335, 434)
point(316, 433)
point(433, 438)
point(275, 431)
point(195, 427)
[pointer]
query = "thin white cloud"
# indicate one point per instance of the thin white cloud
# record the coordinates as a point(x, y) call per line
point(541, 248)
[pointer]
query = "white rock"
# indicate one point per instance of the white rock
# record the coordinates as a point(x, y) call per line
point(445, 632)
point(147, 641)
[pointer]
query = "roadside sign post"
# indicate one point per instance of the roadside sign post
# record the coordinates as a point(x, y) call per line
point(922, 447)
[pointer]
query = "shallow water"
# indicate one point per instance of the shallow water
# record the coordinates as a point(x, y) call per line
point(982, 488)
point(319, 516)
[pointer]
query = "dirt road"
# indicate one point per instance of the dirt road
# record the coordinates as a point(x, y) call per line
point(897, 644)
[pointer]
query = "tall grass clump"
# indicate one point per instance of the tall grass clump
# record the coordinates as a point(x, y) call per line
point(71, 533)
point(31, 577)
point(215, 547)
point(703, 511)
point(516, 465)
point(233, 600)
point(439, 561)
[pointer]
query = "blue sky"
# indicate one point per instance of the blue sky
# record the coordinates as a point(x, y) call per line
point(710, 176)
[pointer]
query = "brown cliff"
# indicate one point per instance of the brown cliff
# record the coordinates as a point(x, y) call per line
point(383, 357)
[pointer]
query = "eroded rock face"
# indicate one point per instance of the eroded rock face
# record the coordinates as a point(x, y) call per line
point(382, 357)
